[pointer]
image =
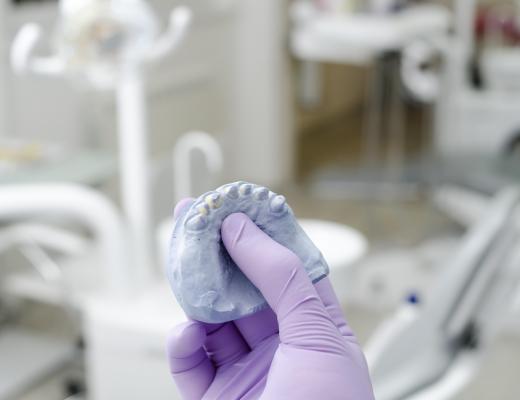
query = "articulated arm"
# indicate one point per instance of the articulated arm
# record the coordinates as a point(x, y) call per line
point(180, 19)
point(23, 58)
point(422, 343)
point(22, 54)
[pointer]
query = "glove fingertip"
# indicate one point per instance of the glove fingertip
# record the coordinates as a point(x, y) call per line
point(181, 206)
point(233, 228)
point(185, 339)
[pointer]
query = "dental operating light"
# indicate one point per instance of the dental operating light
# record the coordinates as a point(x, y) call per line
point(107, 43)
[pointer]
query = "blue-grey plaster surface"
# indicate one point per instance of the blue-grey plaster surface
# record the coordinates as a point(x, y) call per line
point(205, 280)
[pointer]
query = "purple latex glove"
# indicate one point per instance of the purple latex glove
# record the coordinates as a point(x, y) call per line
point(299, 348)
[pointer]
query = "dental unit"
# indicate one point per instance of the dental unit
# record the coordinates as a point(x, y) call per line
point(97, 51)
point(107, 44)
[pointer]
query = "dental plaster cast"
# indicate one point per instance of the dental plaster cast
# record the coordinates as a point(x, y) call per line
point(206, 281)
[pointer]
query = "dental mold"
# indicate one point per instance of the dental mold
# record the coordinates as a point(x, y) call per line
point(205, 280)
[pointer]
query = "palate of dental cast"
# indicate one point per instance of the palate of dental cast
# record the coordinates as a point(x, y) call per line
point(205, 280)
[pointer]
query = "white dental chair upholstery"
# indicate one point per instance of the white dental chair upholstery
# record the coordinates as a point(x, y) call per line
point(431, 350)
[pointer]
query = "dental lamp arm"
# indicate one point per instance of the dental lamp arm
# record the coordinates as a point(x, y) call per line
point(22, 54)
point(180, 19)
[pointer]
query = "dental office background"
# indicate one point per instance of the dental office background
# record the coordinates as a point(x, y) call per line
point(392, 127)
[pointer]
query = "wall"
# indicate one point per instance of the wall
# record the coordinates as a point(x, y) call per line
point(262, 110)
point(3, 73)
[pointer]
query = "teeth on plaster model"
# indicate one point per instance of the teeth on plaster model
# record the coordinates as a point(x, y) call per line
point(261, 193)
point(245, 189)
point(203, 209)
point(231, 191)
point(197, 222)
point(206, 281)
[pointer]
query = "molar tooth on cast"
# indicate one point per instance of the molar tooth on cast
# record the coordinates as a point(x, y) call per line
point(214, 200)
point(261, 193)
point(231, 191)
point(278, 204)
point(245, 189)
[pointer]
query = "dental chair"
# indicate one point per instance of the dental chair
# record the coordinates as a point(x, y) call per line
point(68, 269)
point(432, 350)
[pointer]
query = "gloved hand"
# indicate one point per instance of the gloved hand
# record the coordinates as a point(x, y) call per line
point(299, 348)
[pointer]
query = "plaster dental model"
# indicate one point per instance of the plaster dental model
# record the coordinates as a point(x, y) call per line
point(206, 281)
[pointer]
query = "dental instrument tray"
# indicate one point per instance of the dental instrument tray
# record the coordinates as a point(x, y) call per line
point(205, 280)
